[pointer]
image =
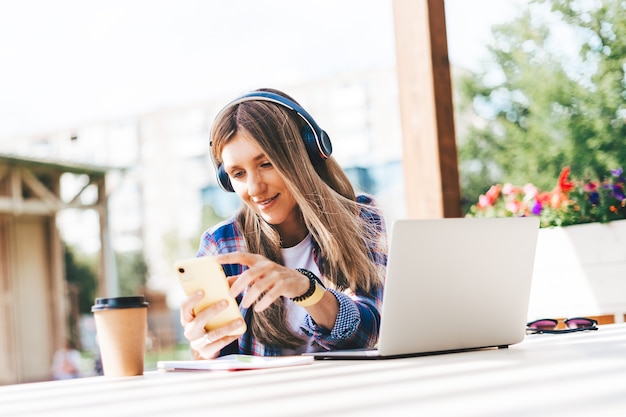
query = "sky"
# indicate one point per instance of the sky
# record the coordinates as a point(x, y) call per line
point(64, 63)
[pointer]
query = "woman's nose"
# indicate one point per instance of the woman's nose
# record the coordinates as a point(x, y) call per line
point(256, 184)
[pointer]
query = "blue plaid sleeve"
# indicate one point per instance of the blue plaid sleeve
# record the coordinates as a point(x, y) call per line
point(356, 326)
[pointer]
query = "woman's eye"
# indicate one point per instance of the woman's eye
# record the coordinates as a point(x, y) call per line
point(236, 174)
point(266, 164)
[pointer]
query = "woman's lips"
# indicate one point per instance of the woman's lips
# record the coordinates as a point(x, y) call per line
point(267, 202)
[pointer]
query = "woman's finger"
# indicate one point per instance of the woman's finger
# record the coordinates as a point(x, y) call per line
point(186, 309)
point(241, 283)
point(256, 272)
point(268, 298)
point(242, 258)
point(210, 343)
point(256, 289)
point(231, 279)
point(211, 350)
point(194, 329)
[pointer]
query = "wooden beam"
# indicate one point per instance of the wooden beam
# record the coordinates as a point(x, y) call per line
point(36, 186)
point(4, 170)
point(15, 193)
point(46, 201)
point(108, 285)
point(19, 207)
point(429, 156)
point(76, 198)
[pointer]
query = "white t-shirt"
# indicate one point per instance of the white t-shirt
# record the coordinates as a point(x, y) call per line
point(299, 256)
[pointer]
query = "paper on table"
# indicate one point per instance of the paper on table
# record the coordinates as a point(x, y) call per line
point(234, 362)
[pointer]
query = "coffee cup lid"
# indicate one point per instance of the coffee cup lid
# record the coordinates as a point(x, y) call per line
point(119, 302)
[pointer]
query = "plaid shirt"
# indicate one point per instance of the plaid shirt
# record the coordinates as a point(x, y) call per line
point(358, 320)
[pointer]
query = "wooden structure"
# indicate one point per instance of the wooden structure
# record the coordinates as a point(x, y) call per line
point(33, 294)
point(431, 175)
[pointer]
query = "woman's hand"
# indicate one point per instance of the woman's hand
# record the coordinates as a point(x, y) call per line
point(266, 280)
point(206, 345)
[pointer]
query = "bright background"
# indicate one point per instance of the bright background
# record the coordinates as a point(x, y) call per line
point(68, 62)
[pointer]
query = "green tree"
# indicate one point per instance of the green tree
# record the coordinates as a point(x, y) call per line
point(132, 271)
point(80, 272)
point(552, 94)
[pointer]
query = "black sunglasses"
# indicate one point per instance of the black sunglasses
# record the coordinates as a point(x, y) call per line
point(575, 324)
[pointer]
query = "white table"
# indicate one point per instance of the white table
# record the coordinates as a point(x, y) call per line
point(576, 374)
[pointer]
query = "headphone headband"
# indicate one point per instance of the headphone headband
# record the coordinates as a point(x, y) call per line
point(316, 140)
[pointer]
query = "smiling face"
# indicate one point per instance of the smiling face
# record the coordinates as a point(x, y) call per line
point(261, 187)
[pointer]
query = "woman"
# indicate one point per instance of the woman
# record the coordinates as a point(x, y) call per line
point(66, 362)
point(305, 256)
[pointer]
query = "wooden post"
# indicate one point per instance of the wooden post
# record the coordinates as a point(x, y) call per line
point(58, 299)
point(108, 285)
point(429, 156)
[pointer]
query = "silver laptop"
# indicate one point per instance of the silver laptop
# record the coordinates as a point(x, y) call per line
point(454, 285)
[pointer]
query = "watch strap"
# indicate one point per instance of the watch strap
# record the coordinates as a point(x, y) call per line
point(314, 293)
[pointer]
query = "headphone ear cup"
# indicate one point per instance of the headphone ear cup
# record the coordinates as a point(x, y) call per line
point(318, 151)
point(325, 144)
point(223, 180)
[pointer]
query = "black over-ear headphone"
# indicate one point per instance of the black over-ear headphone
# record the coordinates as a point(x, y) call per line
point(316, 140)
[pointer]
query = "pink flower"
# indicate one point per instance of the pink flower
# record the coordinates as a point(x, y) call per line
point(531, 191)
point(483, 201)
point(590, 186)
point(569, 202)
point(513, 206)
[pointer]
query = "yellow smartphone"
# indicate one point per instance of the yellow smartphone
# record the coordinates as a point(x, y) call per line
point(206, 274)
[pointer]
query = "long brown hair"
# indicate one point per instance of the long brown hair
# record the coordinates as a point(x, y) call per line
point(324, 195)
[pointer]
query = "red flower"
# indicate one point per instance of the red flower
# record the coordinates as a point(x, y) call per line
point(591, 186)
point(570, 202)
point(565, 185)
point(560, 193)
point(493, 193)
point(490, 197)
point(544, 198)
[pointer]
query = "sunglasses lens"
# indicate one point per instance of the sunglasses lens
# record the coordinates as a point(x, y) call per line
point(579, 323)
point(544, 324)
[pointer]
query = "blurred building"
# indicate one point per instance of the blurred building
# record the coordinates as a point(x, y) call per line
point(35, 308)
point(156, 203)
